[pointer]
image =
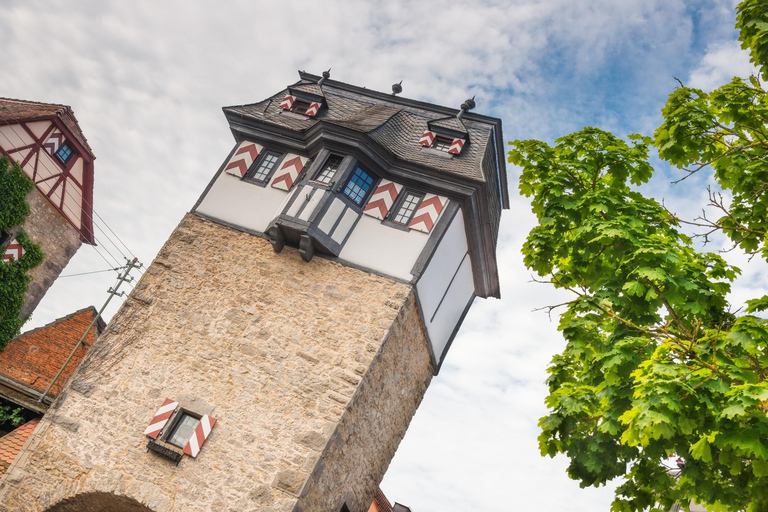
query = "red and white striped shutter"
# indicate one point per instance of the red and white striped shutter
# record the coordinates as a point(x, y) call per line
point(287, 102)
point(242, 158)
point(382, 199)
point(13, 251)
point(289, 170)
point(202, 431)
point(161, 418)
point(54, 142)
point(456, 146)
point(313, 108)
point(427, 139)
point(429, 210)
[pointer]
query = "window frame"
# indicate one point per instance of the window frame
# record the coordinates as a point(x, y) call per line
point(249, 175)
point(177, 417)
point(69, 155)
point(371, 187)
point(333, 177)
point(444, 141)
point(295, 107)
point(398, 204)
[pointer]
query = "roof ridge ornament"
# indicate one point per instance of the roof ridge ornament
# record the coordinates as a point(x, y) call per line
point(466, 107)
point(326, 75)
point(397, 88)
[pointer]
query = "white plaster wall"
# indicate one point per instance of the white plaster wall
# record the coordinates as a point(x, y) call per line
point(241, 203)
point(446, 285)
point(383, 248)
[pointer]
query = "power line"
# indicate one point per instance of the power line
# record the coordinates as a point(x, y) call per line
point(94, 272)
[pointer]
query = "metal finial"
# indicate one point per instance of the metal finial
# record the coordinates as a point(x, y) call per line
point(397, 88)
point(466, 106)
point(326, 75)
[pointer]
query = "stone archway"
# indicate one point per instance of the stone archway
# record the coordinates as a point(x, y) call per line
point(98, 502)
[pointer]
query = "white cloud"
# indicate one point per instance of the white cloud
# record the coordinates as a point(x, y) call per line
point(722, 61)
point(147, 81)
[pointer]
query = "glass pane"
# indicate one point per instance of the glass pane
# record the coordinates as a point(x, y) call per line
point(358, 186)
point(266, 165)
point(407, 207)
point(183, 430)
point(329, 169)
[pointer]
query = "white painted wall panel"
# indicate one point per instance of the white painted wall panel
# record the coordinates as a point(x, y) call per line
point(440, 269)
point(345, 224)
point(38, 127)
point(14, 136)
point(447, 316)
point(317, 194)
point(301, 197)
point(241, 203)
point(446, 286)
point(331, 215)
point(383, 248)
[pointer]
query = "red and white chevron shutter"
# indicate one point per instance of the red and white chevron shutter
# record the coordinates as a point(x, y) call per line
point(312, 110)
point(202, 431)
point(289, 170)
point(13, 251)
point(242, 158)
point(427, 139)
point(429, 210)
point(382, 199)
point(54, 142)
point(287, 102)
point(456, 146)
point(161, 418)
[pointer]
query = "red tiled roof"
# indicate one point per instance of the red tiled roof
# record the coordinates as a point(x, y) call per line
point(381, 501)
point(19, 110)
point(34, 357)
point(12, 443)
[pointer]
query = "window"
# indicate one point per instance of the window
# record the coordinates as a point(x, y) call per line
point(262, 168)
point(328, 171)
point(442, 143)
point(404, 211)
point(64, 153)
point(183, 430)
point(358, 186)
point(300, 106)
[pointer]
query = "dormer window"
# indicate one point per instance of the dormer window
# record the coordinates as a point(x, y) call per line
point(64, 153)
point(358, 186)
point(442, 143)
point(300, 106)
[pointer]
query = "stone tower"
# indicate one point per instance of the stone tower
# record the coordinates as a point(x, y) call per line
point(273, 354)
point(45, 139)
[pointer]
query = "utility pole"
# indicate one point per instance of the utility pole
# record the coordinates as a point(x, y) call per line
point(122, 278)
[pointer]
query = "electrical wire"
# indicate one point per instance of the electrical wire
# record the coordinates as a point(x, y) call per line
point(94, 272)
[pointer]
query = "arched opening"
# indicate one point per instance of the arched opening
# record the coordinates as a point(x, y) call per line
point(98, 502)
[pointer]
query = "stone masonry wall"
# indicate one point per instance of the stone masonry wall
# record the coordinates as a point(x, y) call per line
point(312, 370)
point(58, 240)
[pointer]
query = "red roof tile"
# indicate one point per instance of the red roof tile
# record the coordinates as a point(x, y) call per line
point(381, 501)
point(12, 443)
point(34, 357)
point(19, 110)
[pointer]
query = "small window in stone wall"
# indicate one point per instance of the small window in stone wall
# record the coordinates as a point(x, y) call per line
point(174, 432)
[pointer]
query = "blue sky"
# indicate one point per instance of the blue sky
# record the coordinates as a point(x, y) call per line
point(147, 81)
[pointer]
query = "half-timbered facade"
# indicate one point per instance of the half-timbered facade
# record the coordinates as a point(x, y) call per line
point(47, 142)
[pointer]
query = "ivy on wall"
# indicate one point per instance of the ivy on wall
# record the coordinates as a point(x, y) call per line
point(14, 281)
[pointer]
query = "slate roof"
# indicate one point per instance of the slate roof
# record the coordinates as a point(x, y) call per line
point(12, 443)
point(451, 123)
point(20, 110)
point(395, 125)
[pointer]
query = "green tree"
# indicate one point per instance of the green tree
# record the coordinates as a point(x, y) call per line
point(657, 362)
point(14, 281)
